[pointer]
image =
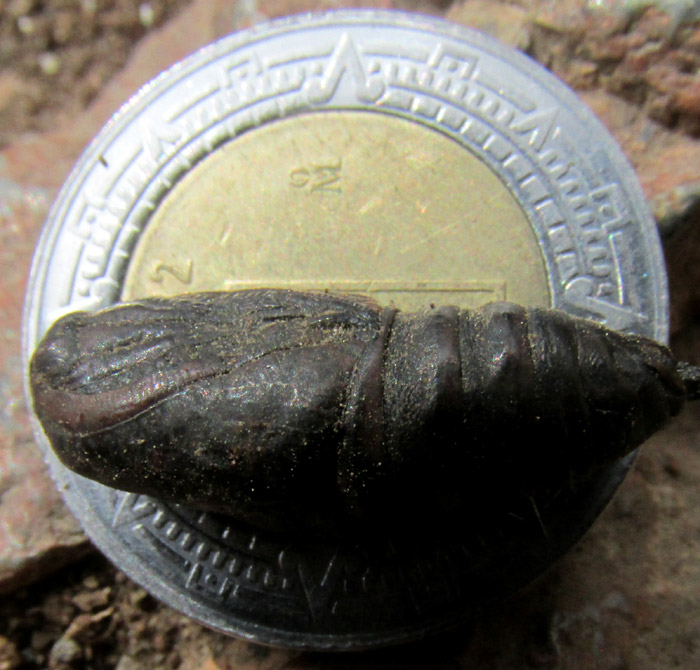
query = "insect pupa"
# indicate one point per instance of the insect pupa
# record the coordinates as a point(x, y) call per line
point(317, 412)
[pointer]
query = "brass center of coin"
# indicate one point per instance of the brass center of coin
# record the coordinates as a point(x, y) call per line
point(347, 201)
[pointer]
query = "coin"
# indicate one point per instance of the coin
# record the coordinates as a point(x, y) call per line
point(361, 151)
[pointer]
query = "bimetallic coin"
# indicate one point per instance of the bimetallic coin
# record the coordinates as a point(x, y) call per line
point(375, 152)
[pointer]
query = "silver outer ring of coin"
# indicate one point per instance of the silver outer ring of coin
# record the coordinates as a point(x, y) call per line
point(598, 241)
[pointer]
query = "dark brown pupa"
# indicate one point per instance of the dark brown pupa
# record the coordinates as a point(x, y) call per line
point(317, 412)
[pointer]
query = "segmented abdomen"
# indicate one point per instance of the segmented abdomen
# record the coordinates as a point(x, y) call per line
point(314, 411)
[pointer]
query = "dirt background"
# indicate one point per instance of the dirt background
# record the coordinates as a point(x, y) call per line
point(626, 598)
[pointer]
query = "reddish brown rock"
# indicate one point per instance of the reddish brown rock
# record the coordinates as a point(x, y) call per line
point(64, 53)
point(510, 24)
point(662, 159)
point(36, 531)
point(646, 53)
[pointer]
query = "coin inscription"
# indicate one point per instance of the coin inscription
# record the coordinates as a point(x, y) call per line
point(318, 177)
point(182, 274)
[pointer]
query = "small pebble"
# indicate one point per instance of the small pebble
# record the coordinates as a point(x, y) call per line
point(91, 582)
point(64, 651)
point(146, 14)
point(9, 656)
point(25, 25)
point(92, 600)
point(49, 63)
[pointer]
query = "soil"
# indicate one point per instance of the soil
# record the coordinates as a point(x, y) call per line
point(641, 51)
point(87, 616)
point(55, 55)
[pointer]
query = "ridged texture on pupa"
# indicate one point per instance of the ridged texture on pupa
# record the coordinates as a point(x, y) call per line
point(316, 412)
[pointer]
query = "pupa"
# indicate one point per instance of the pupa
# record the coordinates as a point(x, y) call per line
point(319, 413)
